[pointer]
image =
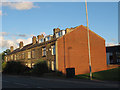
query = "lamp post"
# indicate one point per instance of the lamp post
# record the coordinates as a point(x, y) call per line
point(88, 42)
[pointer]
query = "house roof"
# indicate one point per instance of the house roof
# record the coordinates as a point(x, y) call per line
point(31, 45)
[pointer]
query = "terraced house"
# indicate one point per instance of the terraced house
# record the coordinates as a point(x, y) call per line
point(64, 49)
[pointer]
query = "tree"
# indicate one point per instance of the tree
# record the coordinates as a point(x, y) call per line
point(4, 53)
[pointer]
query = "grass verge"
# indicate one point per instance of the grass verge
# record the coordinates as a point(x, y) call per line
point(112, 74)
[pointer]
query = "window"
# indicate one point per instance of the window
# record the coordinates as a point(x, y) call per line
point(53, 50)
point(15, 57)
point(29, 54)
point(52, 66)
point(33, 54)
point(6, 59)
point(63, 32)
point(118, 57)
point(57, 35)
point(11, 57)
point(48, 64)
point(47, 38)
point(43, 51)
point(41, 40)
point(23, 55)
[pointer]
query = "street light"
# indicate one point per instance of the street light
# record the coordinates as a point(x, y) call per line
point(88, 41)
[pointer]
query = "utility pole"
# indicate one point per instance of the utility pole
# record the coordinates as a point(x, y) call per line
point(88, 41)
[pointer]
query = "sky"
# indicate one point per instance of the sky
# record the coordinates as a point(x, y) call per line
point(20, 21)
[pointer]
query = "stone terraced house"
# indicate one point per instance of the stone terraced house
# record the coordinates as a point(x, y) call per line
point(64, 49)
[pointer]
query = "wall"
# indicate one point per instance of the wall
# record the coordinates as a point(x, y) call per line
point(73, 51)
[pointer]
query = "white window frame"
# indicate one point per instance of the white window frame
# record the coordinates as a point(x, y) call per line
point(63, 32)
point(57, 35)
point(41, 40)
point(44, 51)
point(52, 50)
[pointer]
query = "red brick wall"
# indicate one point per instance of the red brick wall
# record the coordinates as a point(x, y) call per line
point(76, 51)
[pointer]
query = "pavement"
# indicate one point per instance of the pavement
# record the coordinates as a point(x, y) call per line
point(12, 81)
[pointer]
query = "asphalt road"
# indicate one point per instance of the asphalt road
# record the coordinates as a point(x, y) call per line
point(10, 81)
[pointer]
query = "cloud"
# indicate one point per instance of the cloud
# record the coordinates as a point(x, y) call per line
point(7, 43)
point(22, 35)
point(20, 5)
point(4, 33)
point(0, 12)
point(25, 41)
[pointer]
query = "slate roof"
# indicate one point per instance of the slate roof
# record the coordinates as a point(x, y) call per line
point(29, 46)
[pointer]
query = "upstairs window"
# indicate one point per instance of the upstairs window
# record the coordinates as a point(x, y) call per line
point(33, 54)
point(23, 55)
point(47, 38)
point(41, 40)
point(43, 51)
point(63, 32)
point(57, 35)
point(53, 50)
point(29, 54)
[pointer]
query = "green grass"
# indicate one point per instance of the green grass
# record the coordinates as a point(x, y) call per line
point(112, 74)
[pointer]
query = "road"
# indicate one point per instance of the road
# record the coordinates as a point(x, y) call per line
point(10, 81)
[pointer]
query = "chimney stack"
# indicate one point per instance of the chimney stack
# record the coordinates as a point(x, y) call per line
point(34, 40)
point(69, 29)
point(21, 44)
point(11, 49)
point(56, 30)
point(39, 37)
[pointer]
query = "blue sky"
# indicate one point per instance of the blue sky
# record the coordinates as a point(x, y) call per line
point(22, 23)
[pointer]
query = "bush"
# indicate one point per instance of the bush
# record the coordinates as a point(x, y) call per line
point(3, 65)
point(59, 73)
point(13, 67)
point(40, 68)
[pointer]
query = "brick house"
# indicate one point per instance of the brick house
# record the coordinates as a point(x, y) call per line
point(64, 49)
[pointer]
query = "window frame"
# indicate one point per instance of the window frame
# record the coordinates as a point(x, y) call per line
point(44, 51)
